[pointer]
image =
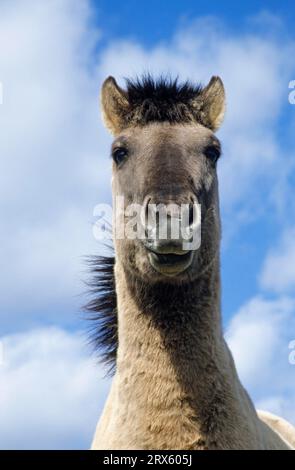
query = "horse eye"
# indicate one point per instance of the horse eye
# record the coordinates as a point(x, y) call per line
point(212, 153)
point(119, 154)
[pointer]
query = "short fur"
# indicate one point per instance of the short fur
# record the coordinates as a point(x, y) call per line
point(175, 385)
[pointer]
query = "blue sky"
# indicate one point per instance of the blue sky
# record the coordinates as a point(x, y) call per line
point(54, 168)
point(154, 21)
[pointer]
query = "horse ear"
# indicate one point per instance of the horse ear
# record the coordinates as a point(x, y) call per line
point(213, 104)
point(114, 104)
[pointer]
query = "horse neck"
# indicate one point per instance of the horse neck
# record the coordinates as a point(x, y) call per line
point(174, 371)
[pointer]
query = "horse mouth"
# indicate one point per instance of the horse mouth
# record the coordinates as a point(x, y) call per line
point(170, 264)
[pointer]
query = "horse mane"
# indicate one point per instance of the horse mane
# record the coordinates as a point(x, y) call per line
point(102, 309)
point(162, 99)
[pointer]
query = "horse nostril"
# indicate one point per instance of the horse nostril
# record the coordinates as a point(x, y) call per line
point(193, 211)
point(150, 218)
point(147, 208)
point(145, 213)
point(191, 214)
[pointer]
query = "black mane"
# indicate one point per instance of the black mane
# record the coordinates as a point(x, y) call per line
point(102, 309)
point(161, 99)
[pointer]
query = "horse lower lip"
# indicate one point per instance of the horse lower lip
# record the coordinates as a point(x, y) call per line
point(170, 263)
point(169, 258)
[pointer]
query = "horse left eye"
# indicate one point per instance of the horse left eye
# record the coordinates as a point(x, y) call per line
point(213, 153)
point(119, 155)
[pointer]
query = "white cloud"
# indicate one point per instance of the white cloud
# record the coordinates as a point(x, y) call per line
point(54, 169)
point(46, 265)
point(278, 272)
point(54, 164)
point(51, 392)
point(259, 335)
point(49, 117)
point(280, 405)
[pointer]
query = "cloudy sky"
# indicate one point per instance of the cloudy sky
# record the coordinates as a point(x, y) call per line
point(54, 168)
